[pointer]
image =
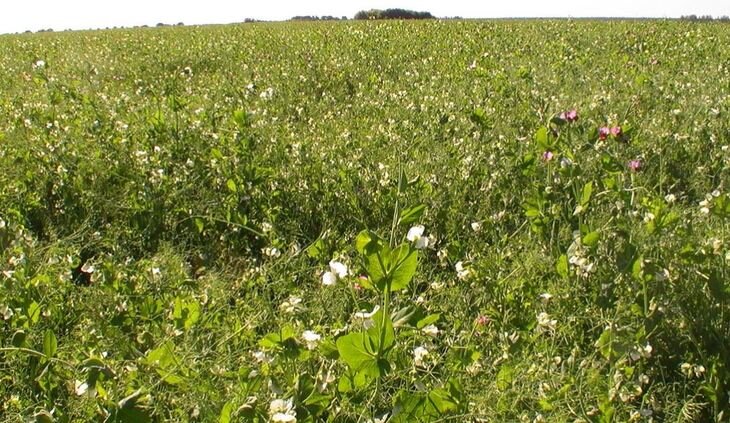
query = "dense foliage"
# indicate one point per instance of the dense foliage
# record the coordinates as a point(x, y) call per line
point(366, 221)
point(392, 14)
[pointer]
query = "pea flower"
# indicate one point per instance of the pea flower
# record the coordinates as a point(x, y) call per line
point(415, 235)
point(603, 133)
point(482, 320)
point(544, 322)
point(616, 131)
point(635, 165)
point(547, 156)
point(282, 411)
point(337, 271)
point(569, 116)
point(311, 338)
point(419, 354)
point(430, 330)
point(291, 305)
point(461, 271)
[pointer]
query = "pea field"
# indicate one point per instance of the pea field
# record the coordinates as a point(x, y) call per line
point(384, 221)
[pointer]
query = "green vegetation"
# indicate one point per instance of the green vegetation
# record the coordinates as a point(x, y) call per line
point(392, 14)
point(343, 221)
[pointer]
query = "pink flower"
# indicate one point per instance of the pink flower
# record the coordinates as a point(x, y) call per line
point(616, 131)
point(482, 320)
point(547, 156)
point(569, 116)
point(635, 165)
point(603, 133)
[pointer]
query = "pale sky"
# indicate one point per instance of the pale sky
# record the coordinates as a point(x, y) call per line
point(21, 15)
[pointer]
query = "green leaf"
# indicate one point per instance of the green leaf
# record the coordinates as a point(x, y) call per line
point(186, 313)
point(231, 185)
point(50, 344)
point(34, 312)
point(277, 339)
point(591, 239)
point(442, 401)
point(637, 269)
point(405, 261)
point(431, 318)
point(504, 377)
point(317, 250)
point(328, 349)
point(166, 363)
point(354, 350)
point(585, 196)
point(382, 335)
point(411, 214)
point(562, 266)
point(363, 239)
point(199, 224)
point(377, 263)
point(225, 416)
point(542, 138)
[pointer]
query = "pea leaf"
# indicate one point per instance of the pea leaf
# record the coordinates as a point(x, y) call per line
point(50, 344)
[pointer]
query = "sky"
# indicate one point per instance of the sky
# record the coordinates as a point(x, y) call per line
point(22, 15)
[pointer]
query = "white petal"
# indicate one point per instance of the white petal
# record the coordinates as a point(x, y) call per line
point(329, 278)
point(415, 232)
point(338, 268)
point(283, 418)
point(422, 242)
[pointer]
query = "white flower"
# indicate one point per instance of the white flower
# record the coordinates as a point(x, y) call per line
point(267, 93)
point(422, 242)
point(476, 226)
point(39, 64)
point(545, 297)
point(2, 224)
point(670, 198)
point(80, 387)
point(415, 235)
point(565, 162)
point(272, 252)
point(88, 268)
point(329, 278)
point(415, 232)
point(419, 354)
point(262, 357)
point(461, 271)
point(338, 268)
point(544, 322)
point(266, 227)
point(367, 318)
point(6, 312)
point(291, 305)
point(282, 411)
point(379, 419)
point(311, 339)
point(430, 330)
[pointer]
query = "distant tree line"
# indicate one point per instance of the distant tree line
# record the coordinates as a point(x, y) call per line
point(704, 18)
point(318, 18)
point(392, 14)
